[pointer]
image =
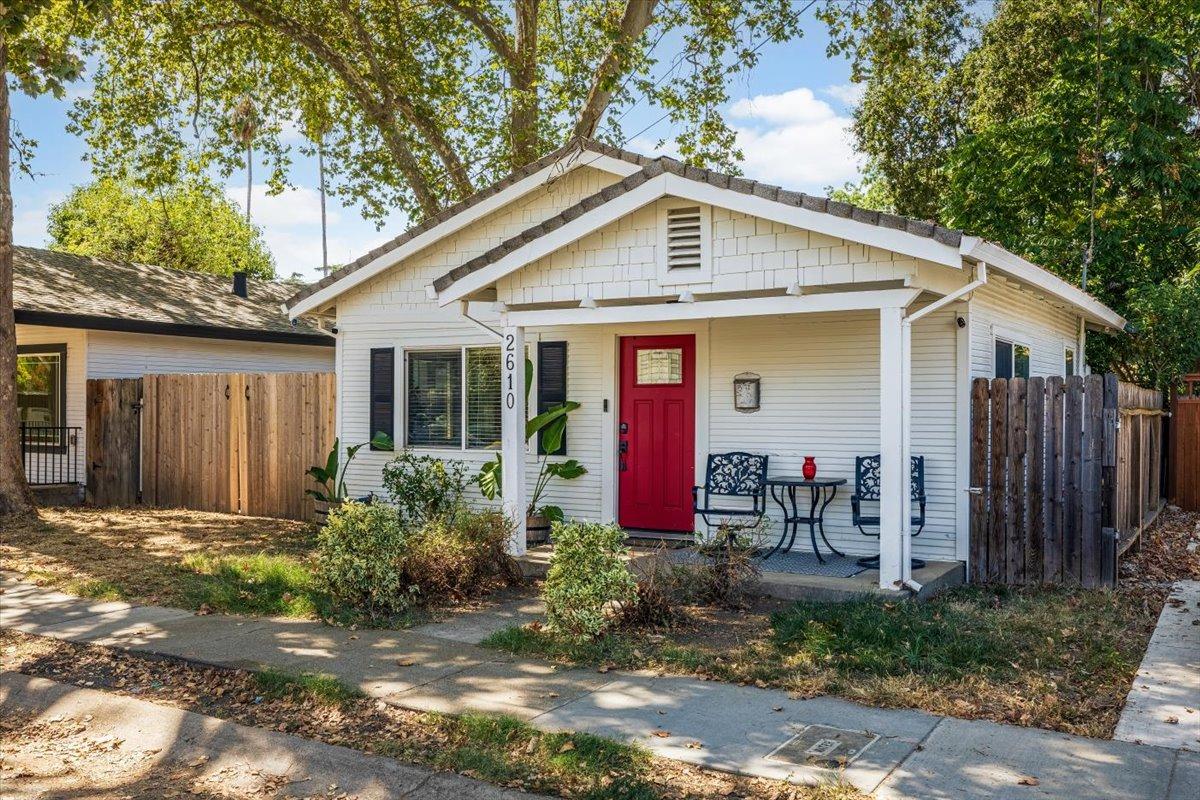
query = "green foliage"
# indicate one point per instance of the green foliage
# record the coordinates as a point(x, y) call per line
point(263, 583)
point(370, 562)
point(405, 126)
point(551, 426)
point(187, 226)
point(587, 582)
point(322, 688)
point(331, 476)
point(991, 125)
point(424, 488)
point(359, 550)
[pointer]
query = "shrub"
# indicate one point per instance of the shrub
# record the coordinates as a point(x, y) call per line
point(424, 488)
point(358, 552)
point(731, 570)
point(587, 580)
point(461, 557)
point(665, 587)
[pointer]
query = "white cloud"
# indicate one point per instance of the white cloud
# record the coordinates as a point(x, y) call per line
point(297, 206)
point(848, 94)
point(31, 213)
point(794, 139)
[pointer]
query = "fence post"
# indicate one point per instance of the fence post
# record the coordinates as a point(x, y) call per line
point(1108, 483)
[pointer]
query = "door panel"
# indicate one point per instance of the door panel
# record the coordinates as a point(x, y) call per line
point(657, 432)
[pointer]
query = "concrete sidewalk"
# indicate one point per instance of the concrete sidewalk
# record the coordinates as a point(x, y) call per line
point(1163, 707)
point(248, 761)
point(899, 754)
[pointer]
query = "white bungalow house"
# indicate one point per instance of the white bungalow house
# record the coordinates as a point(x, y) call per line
point(642, 288)
point(81, 318)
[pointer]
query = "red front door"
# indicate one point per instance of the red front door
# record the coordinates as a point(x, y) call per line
point(657, 432)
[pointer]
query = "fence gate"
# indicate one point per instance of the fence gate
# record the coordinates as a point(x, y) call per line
point(1185, 444)
point(113, 441)
point(237, 442)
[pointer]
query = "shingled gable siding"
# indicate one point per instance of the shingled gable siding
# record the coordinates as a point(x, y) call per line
point(392, 310)
point(620, 260)
point(77, 351)
point(1000, 307)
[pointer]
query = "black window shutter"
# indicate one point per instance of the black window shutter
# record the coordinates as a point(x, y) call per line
point(552, 383)
point(383, 391)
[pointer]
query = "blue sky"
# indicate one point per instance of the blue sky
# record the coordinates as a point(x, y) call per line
point(791, 113)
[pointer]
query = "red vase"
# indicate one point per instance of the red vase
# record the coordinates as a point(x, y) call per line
point(810, 468)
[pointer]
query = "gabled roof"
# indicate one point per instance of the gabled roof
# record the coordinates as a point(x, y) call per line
point(670, 166)
point(429, 224)
point(54, 288)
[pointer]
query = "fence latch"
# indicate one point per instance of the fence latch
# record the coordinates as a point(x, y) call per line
point(974, 490)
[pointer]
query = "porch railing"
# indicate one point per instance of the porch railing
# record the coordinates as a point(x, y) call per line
point(50, 454)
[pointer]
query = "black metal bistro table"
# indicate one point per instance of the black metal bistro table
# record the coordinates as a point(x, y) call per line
point(784, 489)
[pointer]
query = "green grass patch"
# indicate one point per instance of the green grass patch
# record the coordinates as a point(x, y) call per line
point(263, 584)
point(506, 750)
point(325, 689)
point(1055, 658)
point(96, 588)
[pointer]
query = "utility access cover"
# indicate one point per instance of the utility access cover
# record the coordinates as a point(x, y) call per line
point(823, 746)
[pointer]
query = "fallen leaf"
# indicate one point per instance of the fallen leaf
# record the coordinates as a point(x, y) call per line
point(405, 662)
point(1172, 720)
point(567, 747)
point(1029, 780)
point(661, 734)
point(694, 746)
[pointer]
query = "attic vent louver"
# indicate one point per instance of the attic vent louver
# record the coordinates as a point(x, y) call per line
point(684, 232)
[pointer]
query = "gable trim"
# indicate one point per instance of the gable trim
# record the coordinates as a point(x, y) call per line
point(388, 258)
point(648, 186)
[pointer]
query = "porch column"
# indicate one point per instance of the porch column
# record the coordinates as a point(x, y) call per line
point(512, 432)
point(893, 466)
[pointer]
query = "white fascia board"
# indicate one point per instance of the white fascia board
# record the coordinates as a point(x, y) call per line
point(1029, 273)
point(505, 196)
point(903, 242)
point(714, 309)
point(557, 239)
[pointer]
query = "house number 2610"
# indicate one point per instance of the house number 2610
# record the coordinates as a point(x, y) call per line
point(510, 368)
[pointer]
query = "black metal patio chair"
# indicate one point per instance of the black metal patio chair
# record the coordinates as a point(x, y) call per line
point(729, 476)
point(866, 489)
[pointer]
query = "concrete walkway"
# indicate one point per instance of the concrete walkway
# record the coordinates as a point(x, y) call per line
point(246, 761)
point(1163, 707)
point(899, 754)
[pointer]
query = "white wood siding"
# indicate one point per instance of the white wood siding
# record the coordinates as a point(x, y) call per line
point(131, 355)
point(76, 413)
point(748, 253)
point(1001, 309)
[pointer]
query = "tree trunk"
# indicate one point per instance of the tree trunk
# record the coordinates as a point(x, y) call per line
point(249, 178)
point(324, 234)
point(523, 114)
point(637, 17)
point(15, 497)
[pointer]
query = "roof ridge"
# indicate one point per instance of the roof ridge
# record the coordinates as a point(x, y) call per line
point(145, 264)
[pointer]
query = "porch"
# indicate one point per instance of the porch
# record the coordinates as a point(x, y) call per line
point(833, 368)
point(788, 584)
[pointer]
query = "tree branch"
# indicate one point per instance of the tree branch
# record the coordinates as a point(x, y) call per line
point(491, 29)
point(637, 17)
point(383, 120)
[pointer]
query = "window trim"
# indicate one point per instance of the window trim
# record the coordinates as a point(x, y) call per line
point(1074, 351)
point(462, 401)
point(59, 349)
point(679, 277)
point(1014, 343)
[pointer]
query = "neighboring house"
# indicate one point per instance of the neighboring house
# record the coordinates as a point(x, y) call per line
point(81, 318)
point(642, 289)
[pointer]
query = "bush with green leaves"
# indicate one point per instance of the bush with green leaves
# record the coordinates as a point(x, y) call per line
point(358, 552)
point(424, 488)
point(455, 558)
point(588, 582)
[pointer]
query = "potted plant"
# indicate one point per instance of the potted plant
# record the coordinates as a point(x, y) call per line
point(331, 478)
point(551, 424)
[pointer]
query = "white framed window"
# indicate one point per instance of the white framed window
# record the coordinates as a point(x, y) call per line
point(1070, 362)
point(684, 242)
point(1012, 359)
point(452, 398)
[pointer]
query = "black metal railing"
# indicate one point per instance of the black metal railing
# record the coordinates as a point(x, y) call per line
point(50, 454)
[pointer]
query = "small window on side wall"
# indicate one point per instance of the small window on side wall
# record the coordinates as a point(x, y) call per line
point(1012, 359)
point(1069, 362)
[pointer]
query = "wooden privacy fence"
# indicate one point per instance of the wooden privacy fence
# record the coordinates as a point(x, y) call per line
point(1055, 482)
point(238, 442)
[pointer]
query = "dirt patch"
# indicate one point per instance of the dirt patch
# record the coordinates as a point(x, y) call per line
point(503, 751)
point(1169, 551)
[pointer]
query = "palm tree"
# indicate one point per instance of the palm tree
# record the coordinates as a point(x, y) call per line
point(245, 122)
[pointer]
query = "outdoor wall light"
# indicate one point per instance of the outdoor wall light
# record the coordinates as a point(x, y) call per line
point(747, 392)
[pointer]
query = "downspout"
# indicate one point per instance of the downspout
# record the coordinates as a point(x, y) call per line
point(906, 400)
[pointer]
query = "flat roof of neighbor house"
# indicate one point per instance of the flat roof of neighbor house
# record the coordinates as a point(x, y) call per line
point(66, 290)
